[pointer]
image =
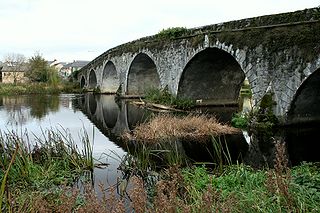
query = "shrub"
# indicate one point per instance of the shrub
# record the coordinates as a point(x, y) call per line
point(172, 32)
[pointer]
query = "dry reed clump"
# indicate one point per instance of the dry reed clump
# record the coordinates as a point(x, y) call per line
point(169, 127)
point(169, 192)
point(68, 201)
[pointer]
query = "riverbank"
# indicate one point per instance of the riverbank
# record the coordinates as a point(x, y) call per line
point(44, 179)
point(32, 170)
point(39, 88)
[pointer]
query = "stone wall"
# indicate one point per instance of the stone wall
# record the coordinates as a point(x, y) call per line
point(13, 77)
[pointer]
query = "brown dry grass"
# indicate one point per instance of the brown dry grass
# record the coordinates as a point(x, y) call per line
point(278, 179)
point(168, 127)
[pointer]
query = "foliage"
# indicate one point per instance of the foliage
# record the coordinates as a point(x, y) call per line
point(259, 119)
point(240, 120)
point(164, 97)
point(40, 71)
point(172, 32)
point(251, 190)
point(39, 88)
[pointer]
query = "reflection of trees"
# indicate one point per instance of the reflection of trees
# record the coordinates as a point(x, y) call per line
point(41, 105)
point(17, 112)
point(22, 108)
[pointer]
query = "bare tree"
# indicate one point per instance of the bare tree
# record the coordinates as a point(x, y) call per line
point(15, 63)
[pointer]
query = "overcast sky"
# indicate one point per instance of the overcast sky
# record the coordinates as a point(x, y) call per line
point(69, 30)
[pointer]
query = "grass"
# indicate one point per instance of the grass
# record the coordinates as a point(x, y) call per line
point(238, 189)
point(40, 181)
point(163, 96)
point(39, 88)
point(32, 169)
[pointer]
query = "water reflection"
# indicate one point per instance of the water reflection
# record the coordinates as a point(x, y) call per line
point(21, 109)
point(110, 111)
point(17, 112)
point(114, 117)
point(35, 114)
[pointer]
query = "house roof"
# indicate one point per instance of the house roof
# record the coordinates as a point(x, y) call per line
point(16, 68)
point(76, 64)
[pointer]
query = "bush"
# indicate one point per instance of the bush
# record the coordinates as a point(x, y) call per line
point(172, 32)
point(164, 97)
point(240, 120)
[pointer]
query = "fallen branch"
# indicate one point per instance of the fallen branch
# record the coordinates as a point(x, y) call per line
point(156, 106)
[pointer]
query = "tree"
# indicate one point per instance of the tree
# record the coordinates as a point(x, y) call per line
point(40, 71)
point(16, 63)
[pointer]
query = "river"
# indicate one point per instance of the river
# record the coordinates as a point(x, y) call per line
point(103, 118)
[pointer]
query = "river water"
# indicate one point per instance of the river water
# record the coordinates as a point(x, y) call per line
point(35, 114)
point(103, 118)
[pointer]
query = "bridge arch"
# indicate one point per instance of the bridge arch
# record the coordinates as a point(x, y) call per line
point(142, 75)
point(211, 75)
point(92, 79)
point(82, 82)
point(304, 117)
point(110, 79)
point(304, 107)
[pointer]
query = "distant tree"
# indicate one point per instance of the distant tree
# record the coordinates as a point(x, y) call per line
point(15, 62)
point(40, 71)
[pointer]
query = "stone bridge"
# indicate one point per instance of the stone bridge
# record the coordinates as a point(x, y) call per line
point(277, 53)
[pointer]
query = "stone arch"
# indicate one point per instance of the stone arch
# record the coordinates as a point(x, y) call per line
point(142, 75)
point(304, 107)
point(304, 117)
point(211, 75)
point(92, 79)
point(82, 82)
point(110, 79)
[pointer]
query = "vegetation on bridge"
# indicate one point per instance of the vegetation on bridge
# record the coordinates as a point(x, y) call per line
point(172, 33)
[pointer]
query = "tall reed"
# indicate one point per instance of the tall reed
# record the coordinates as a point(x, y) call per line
point(48, 160)
point(4, 178)
point(220, 152)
